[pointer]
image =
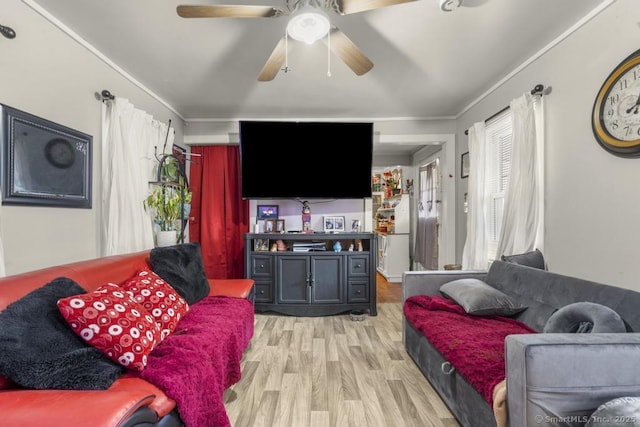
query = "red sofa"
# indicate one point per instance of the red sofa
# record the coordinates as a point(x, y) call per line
point(130, 400)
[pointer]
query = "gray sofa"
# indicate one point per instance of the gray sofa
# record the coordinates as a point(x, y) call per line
point(552, 378)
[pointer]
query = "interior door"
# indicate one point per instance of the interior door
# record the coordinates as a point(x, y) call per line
point(428, 240)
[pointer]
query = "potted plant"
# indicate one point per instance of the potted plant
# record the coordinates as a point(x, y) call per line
point(167, 203)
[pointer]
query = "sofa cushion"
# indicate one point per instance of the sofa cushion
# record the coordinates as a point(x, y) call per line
point(480, 299)
point(109, 320)
point(39, 351)
point(585, 317)
point(182, 267)
point(533, 259)
point(162, 301)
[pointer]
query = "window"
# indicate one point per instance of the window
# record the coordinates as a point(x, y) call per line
point(499, 136)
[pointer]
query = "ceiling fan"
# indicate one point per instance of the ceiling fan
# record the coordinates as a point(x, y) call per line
point(309, 22)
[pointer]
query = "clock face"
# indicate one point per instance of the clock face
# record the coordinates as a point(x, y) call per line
point(60, 153)
point(616, 112)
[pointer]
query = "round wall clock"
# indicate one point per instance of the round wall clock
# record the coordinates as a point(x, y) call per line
point(60, 153)
point(616, 111)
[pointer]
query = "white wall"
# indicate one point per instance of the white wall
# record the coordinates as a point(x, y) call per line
point(592, 204)
point(46, 73)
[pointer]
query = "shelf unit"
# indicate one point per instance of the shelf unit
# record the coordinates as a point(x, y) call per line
point(315, 283)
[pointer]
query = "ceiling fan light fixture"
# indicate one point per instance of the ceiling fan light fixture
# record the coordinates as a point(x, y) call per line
point(308, 25)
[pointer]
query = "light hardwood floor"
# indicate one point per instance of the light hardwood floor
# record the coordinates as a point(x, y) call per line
point(332, 371)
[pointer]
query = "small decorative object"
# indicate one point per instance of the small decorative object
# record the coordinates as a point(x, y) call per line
point(269, 225)
point(351, 247)
point(306, 217)
point(355, 225)
point(274, 247)
point(464, 165)
point(281, 246)
point(279, 225)
point(616, 111)
point(359, 245)
point(267, 212)
point(357, 315)
point(333, 224)
point(44, 163)
point(337, 246)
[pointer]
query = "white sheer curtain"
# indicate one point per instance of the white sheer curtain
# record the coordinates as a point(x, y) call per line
point(523, 217)
point(129, 136)
point(474, 255)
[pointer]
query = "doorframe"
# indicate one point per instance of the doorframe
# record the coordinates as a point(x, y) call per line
point(447, 230)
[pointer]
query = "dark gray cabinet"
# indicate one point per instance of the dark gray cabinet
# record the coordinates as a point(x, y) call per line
point(312, 283)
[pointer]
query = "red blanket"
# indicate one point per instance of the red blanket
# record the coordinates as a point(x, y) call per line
point(201, 359)
point(474, 345)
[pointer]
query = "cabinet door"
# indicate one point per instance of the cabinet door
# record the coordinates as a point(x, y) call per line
point(327, 279)
point(293, 278)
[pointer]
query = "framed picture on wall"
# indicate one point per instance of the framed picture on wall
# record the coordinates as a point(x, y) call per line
point(464, 165)
point(45, 163)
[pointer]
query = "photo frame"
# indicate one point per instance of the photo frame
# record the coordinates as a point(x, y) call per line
point(267, 212)
point(333, 224)
point(279, 226)
point(355, 225)
point(44, 163)
point(261, 245)
point(464, 165)
point(269, 225)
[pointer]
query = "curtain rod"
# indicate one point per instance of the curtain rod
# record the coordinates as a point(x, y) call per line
point(537, 90)
point(105, 95)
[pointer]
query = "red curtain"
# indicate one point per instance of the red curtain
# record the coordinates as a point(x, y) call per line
point(219, 215)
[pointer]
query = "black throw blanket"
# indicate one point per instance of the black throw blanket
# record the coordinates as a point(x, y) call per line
point(39, 350)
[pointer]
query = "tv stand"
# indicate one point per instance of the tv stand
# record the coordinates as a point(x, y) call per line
point(309, 278)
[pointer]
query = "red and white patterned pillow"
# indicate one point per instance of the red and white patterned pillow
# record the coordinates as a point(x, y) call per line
point(111, 321)
point(158, 298)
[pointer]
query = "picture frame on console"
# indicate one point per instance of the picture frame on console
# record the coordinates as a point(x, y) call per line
point(355, 226)
point(269, 225)
point(279, 225)
point(267, 212)
point(44, 163)
point(333, 224)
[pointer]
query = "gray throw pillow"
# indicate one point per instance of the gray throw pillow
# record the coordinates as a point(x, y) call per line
point(585, 317)
point(533, 259)
point(480, 299)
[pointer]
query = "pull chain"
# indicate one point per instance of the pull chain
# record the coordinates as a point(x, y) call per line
point(286, 68)
point(329, 53)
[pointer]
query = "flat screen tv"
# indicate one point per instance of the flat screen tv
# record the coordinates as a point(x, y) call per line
point(305, 160)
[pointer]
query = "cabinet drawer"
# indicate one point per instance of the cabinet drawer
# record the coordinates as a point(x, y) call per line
point(358, 266)
point(264, 292)
point(261, 266)
point(358, 291)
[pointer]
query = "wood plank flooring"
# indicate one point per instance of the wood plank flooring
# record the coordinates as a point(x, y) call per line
point(332, 371)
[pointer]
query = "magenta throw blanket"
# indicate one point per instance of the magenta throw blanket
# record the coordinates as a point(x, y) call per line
point(474, 345)
point(201, 359)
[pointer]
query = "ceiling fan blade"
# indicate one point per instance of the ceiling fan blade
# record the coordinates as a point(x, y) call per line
point(353, 6)
point(274, 63)
point(342, 46)
point(227, 11)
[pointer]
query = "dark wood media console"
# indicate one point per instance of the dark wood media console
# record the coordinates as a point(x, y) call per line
point(315, 282)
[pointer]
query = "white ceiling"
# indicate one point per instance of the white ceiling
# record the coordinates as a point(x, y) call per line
point(427, 63)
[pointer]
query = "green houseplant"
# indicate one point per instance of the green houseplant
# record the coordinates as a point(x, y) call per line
point(166, 204)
